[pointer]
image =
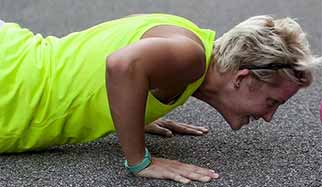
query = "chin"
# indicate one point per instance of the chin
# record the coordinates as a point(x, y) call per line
point(235, 127)
point(237, 124)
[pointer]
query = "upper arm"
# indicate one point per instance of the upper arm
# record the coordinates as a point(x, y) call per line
point(164, 61)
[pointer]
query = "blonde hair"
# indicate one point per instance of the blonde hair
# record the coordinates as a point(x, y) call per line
point(264, 40)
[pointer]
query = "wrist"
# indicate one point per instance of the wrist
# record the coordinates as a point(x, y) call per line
point(147, 159)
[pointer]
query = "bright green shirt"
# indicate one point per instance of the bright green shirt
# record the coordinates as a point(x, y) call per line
point(53, 89)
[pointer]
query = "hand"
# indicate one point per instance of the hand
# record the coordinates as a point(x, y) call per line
point(168, 128)
point(177, 171)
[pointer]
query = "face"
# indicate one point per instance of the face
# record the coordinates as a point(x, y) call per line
point(255, 99)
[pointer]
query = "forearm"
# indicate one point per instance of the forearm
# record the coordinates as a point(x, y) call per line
point(127, 92)
point(131, 137)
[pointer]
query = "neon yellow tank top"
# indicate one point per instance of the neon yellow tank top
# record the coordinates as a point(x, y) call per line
point(53, 89)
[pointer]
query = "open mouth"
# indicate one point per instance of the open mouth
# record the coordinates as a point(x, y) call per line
point(252, 118)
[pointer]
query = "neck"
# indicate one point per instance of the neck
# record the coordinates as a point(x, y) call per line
point(214, 88)
point(210, 87)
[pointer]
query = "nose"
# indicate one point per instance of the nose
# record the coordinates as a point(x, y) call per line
point(269, 115)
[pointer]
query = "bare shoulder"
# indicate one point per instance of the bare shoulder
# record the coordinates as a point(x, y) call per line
point(185, 46)
point(168, 59)
point(167, 31)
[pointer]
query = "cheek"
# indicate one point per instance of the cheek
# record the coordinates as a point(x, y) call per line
point(258, 108)
point(242, 106)
point(251, 103)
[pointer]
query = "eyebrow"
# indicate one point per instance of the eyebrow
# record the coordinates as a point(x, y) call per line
point(281, 102)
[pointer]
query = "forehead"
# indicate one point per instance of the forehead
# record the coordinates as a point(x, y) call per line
point(283, 91)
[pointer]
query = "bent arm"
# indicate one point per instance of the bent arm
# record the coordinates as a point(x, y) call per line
point(132, 71)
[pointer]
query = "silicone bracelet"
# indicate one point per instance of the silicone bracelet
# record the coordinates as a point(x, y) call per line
point(140, 166)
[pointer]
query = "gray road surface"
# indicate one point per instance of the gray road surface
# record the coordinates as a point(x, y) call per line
point(286, 152)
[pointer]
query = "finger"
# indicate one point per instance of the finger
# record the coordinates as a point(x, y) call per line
point(196, 176)
point(164, 131)
point(156, 129)
point(193, 172)
point(183, 128)
point(207, 172)
point(203, 129)
point(174, 125)
point(201, 171)
point(171, 174)
point(177, 171)
point(178, 178)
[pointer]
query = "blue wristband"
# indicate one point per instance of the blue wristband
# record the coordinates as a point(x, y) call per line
point(140, 166)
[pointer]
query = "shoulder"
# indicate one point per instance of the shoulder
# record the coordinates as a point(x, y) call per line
point(184, 46)
point(165, 56)
point(167, 31)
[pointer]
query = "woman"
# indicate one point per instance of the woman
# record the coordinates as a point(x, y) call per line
point(125, 73)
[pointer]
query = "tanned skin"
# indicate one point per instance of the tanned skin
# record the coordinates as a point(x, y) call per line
point(153, 63)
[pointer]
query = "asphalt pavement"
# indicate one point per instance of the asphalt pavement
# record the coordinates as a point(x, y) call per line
point(286, 152)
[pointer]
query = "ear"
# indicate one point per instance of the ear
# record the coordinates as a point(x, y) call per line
point(240, 76)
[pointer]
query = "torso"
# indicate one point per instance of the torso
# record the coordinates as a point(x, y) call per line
point(170, 94)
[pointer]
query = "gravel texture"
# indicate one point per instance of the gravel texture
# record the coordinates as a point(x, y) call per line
point(286, 152)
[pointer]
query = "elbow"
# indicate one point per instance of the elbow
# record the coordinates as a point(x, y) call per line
point(111, 64)
point(120, 68)
point(115, 66)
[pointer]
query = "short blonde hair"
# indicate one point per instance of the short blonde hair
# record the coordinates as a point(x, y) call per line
point(263, 40)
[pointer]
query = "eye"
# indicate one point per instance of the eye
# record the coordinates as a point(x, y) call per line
point(272, 103)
